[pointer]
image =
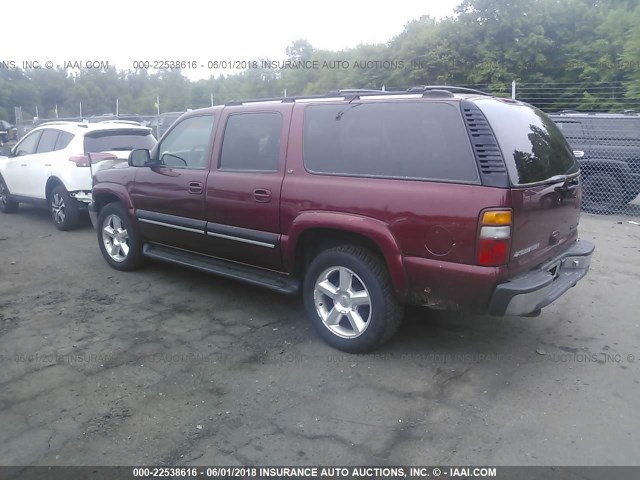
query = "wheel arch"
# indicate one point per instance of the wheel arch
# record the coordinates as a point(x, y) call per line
point(316, 231)
point(105, 194)
point(52, 182)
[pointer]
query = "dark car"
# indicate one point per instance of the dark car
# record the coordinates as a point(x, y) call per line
point(607, 147)
point(365, 202)
point(8, 132)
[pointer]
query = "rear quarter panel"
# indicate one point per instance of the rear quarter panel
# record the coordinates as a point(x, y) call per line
point(428, 220)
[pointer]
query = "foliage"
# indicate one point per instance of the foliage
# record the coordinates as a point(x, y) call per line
point(577, 43)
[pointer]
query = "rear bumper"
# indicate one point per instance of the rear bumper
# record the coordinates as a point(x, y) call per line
point(93, 215)
point(533, 290)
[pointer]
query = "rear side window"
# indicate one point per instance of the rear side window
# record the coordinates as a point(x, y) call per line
point(407, 140)
point(63, 140)
point(121, 139)
point(47, 141)
point(532, 145)
point(252, 142)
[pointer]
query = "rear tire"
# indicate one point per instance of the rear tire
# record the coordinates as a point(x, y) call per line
point(63, 209)
point(602, 193)
point(119, 242)
point(7, 205)
point(350, 300)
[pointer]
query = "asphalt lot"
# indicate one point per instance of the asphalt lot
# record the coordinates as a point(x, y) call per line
point(169, 366)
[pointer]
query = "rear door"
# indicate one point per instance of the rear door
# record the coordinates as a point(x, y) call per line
point(545, 211)
point(243, 189)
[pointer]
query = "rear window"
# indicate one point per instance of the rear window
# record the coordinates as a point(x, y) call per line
point(123, 140)
point(533, 146)
point(63, 140)
point(406, 140)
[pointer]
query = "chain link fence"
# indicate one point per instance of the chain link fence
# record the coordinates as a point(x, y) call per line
point(601, 122)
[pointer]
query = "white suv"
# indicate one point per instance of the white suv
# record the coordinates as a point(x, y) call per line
point(52, 165)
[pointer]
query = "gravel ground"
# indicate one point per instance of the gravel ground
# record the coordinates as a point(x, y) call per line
point(170, 366)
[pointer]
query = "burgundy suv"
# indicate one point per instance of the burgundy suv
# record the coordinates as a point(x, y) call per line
point(363, 200)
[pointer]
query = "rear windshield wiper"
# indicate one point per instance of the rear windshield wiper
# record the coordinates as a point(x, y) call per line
point(560, 178)
point(557, 179)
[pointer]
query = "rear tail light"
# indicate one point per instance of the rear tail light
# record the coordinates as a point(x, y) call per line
point(494, 239)
point(83, 160)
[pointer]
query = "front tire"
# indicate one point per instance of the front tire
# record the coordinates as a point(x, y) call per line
point(64, 209)
point(119, 242)
point(7, 205)
point(349, 298)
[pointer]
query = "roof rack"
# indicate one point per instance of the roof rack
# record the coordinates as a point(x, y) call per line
point(351, 94)
point(449, 88)
point(60, 122)
point(123, 122)
point(355, 91)
point(273, 100)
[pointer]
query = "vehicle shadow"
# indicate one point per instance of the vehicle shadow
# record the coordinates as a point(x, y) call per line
point(444, 337)
point(42, 215)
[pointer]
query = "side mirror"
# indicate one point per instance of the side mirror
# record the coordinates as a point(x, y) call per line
point(139, 157)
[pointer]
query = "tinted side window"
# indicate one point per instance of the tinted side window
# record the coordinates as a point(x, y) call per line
point(414, 140)
point(28, 144)
point(63, 140)
point(252, 142)
point(187, 145)
point(47, 141)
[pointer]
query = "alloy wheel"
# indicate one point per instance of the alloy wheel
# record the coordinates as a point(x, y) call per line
point(3, 194)
point(58, 208)
point(115, 238)
point(343, 302)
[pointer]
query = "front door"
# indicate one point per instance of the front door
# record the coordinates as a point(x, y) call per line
point(168, 196)
point(16, 177)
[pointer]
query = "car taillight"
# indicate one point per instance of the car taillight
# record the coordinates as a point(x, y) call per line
point(494, 239)
point(83, 160)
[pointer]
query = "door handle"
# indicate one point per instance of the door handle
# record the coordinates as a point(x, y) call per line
point(24, 164)
point(195, 187)
point(262, 195)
